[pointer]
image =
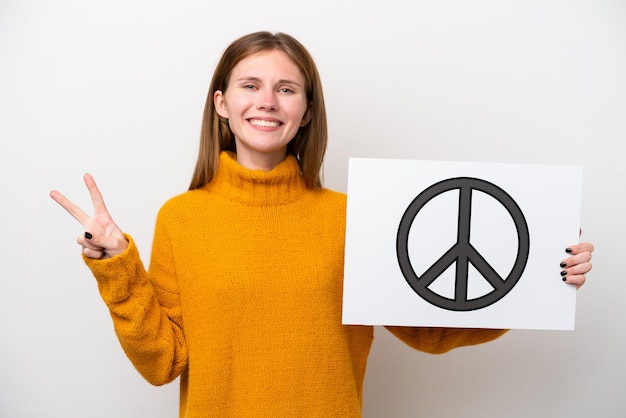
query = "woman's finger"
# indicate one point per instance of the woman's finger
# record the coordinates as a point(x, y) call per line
point(578, 280)
point(96, 196)
point(91, 249)
point(579, 248)
point(70, 207)
point(97, 254)
point(579, 258)
point(578, 269)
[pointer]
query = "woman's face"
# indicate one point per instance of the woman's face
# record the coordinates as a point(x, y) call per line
point(265, 104)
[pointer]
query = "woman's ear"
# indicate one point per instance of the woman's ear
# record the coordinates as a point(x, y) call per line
point(220, 104)
point(307, 115)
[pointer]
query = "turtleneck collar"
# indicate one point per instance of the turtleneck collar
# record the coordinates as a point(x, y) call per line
point(280, 185)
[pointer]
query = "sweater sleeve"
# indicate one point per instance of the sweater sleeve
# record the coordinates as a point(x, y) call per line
point(440, 340)
point(146, 316)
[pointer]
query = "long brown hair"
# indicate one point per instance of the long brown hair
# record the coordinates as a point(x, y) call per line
point(309, 144)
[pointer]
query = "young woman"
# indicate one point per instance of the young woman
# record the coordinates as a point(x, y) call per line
point(242, 298)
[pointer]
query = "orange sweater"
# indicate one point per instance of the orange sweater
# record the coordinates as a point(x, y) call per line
point(243, 300)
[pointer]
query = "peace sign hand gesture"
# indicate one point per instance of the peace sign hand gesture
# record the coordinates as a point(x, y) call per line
point(103, 238)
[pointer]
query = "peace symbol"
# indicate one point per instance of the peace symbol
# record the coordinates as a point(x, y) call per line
point(463, 252)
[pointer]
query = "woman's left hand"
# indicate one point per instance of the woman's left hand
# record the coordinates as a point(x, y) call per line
point(575, 267)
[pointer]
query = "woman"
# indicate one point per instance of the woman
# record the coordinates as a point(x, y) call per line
point(243, 295)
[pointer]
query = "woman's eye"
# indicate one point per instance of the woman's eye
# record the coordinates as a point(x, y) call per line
point(285, 90)
point(248, 87)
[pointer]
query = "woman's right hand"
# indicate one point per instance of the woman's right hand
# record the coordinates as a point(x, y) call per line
point(102, 238)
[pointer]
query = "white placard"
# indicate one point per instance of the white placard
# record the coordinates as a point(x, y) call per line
point(456, 244)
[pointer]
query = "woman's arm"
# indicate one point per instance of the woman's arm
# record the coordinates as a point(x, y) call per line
point(146, 313)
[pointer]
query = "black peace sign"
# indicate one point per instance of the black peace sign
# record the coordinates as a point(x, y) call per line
point(463, 252)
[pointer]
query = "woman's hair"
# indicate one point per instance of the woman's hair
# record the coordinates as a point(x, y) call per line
point(309, 144)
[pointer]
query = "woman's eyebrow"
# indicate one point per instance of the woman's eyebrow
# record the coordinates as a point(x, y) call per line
point(257, 79)
point(290, 82)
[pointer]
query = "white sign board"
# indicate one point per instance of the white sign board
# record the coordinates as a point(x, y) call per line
point(454, 244)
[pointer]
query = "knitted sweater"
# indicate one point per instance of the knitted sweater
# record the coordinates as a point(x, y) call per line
point(243, 300)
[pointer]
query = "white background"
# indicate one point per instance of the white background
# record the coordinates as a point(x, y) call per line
point(117, 88)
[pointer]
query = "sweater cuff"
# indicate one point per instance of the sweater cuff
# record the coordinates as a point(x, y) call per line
point(116, 275)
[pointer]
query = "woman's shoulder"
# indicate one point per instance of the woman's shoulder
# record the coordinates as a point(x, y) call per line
point(327, 201)
point(331, 196)
point(182, 201)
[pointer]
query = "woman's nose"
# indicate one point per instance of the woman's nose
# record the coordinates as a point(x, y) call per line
point(267, 101)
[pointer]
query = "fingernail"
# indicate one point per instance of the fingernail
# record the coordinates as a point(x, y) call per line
point(563, 264)
point(563, 273)
point(564, 278)
point(568, 250)
point(88, 235)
